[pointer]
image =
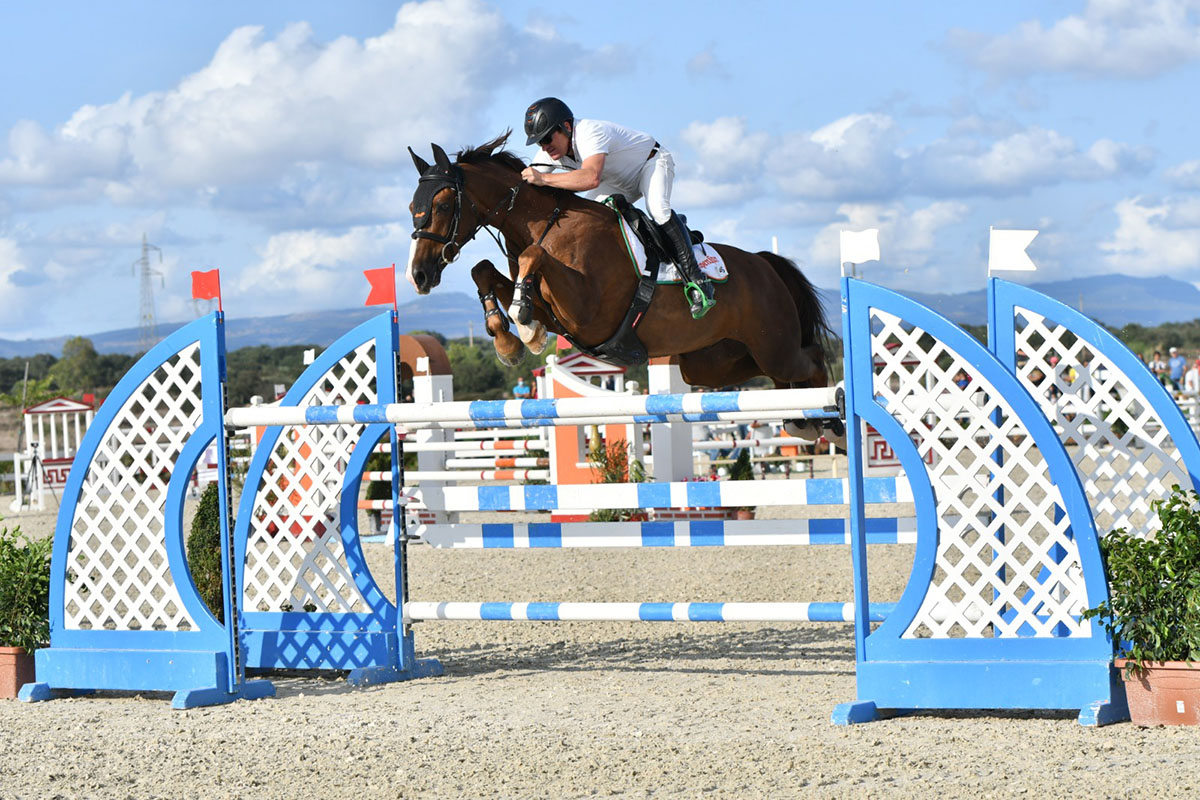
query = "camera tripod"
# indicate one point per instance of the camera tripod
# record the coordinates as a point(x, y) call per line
point(36, 479)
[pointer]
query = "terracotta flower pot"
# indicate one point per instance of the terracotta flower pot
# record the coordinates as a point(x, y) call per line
point(745, 513)
point(16, 670)
point(1165, 693)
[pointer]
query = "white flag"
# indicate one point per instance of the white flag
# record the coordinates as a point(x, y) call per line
point(1006, 250)
point(859, 247)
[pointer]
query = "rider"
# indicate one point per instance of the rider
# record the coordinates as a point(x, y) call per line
point(602, 159)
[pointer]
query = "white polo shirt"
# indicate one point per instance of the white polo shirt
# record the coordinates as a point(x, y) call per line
point(626, 152)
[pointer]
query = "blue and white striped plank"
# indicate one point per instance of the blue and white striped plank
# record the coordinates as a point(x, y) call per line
point(680, 494)
point(671, 533)
point(415, 611)
point(795, 403)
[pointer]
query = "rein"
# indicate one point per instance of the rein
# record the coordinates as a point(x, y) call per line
point(450, 248)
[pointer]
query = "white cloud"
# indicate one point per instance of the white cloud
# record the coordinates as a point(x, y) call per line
point(701, 193)
point(1185, 175)
point(262, 105)
point(299, 267)
point(865, 157)
point(706, 64)
point(856, 156)
point(1111, 38)
point(1156, 236)
point(18, 285)
point(1018, 162)
point(907, 237)
point(728, 165)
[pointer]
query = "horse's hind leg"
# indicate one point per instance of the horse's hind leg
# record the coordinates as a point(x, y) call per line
point(494, 289)
point(800, 367)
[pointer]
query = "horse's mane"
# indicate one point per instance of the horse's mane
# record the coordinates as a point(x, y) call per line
point(486, 153)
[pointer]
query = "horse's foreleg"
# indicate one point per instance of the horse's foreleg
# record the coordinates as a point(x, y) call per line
point(531, 329)
point(492, 288)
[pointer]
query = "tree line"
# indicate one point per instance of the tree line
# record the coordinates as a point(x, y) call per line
point(478, 375)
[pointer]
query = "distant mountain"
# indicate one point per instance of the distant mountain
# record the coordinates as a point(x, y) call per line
point(1115, 300)
point(451, 313)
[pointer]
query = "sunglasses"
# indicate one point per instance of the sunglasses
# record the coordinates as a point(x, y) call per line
point(545, 140)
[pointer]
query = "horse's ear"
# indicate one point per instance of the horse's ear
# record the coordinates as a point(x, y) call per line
point(422, 164)
point(440, 158)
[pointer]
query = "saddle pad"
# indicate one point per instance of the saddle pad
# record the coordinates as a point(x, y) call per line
point(707, 258)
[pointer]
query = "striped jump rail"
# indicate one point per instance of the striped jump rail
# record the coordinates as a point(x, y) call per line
point(678, 494)
point(731, 444)
point(487, 473)
point(697, 406)
point(660, 533)
point(419, 611)
point(472, 447)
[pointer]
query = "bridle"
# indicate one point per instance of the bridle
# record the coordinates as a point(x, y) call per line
point(433, 181)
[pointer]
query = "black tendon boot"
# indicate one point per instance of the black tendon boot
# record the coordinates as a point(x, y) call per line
point(697, 288)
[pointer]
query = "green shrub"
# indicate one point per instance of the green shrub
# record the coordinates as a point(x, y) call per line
point(1153, 607)
point(743, 468)
point(612, 464)
point(204, 551)
point(24, 590)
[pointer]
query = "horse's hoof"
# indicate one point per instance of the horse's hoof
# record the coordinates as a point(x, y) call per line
point(835, 433)
point(538, 343)
point(802, 429)
point(532, 334)
point(512, 357)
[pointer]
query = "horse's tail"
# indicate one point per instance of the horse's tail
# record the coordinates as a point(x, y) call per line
point(814, 327)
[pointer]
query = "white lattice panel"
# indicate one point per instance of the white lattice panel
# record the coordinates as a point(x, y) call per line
point(1124, 455)
point(1004, 566)
point(118, 577)
point(295, 558)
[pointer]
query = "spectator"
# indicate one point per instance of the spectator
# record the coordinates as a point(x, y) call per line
point(1158, 367)
point(521, 391)
point(1176, 364)
point(1191, 380)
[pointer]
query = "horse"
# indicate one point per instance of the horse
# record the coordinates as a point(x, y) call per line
point(570, 274)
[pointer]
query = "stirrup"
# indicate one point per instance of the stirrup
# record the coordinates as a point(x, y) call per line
point(699, 300)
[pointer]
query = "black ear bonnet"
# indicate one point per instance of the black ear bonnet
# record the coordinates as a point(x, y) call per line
point(434, 177)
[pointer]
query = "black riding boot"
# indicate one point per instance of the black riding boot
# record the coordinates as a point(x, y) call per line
point(697, 288)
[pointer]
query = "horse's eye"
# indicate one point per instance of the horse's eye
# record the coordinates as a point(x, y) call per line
point(444, 208)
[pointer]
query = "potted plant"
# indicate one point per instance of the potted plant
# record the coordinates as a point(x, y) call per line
point(743, 470)
point(24, 606)
point(1153, 613)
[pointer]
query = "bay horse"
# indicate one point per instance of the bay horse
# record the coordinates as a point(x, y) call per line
point(570, 274)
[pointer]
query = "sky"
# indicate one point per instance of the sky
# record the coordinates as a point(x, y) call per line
point(269, 139)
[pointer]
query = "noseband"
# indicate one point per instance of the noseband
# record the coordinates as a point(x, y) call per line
point(433, 181)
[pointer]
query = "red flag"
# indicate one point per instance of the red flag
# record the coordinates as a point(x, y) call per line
point(207, 286)
point(383, 286)
point(562, 343)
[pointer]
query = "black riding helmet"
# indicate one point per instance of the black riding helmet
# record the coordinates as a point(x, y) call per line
point(543, 117)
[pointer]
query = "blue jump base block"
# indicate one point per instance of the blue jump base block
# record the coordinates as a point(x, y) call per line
point(194, 676)
point(998, 666)
point(1094, 688)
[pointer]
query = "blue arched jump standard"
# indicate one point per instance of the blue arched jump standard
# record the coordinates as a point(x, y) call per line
point(124, 611)
point(309, 599)
point(1006, 555)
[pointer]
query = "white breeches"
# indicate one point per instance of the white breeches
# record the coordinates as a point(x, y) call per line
point(654, 184)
